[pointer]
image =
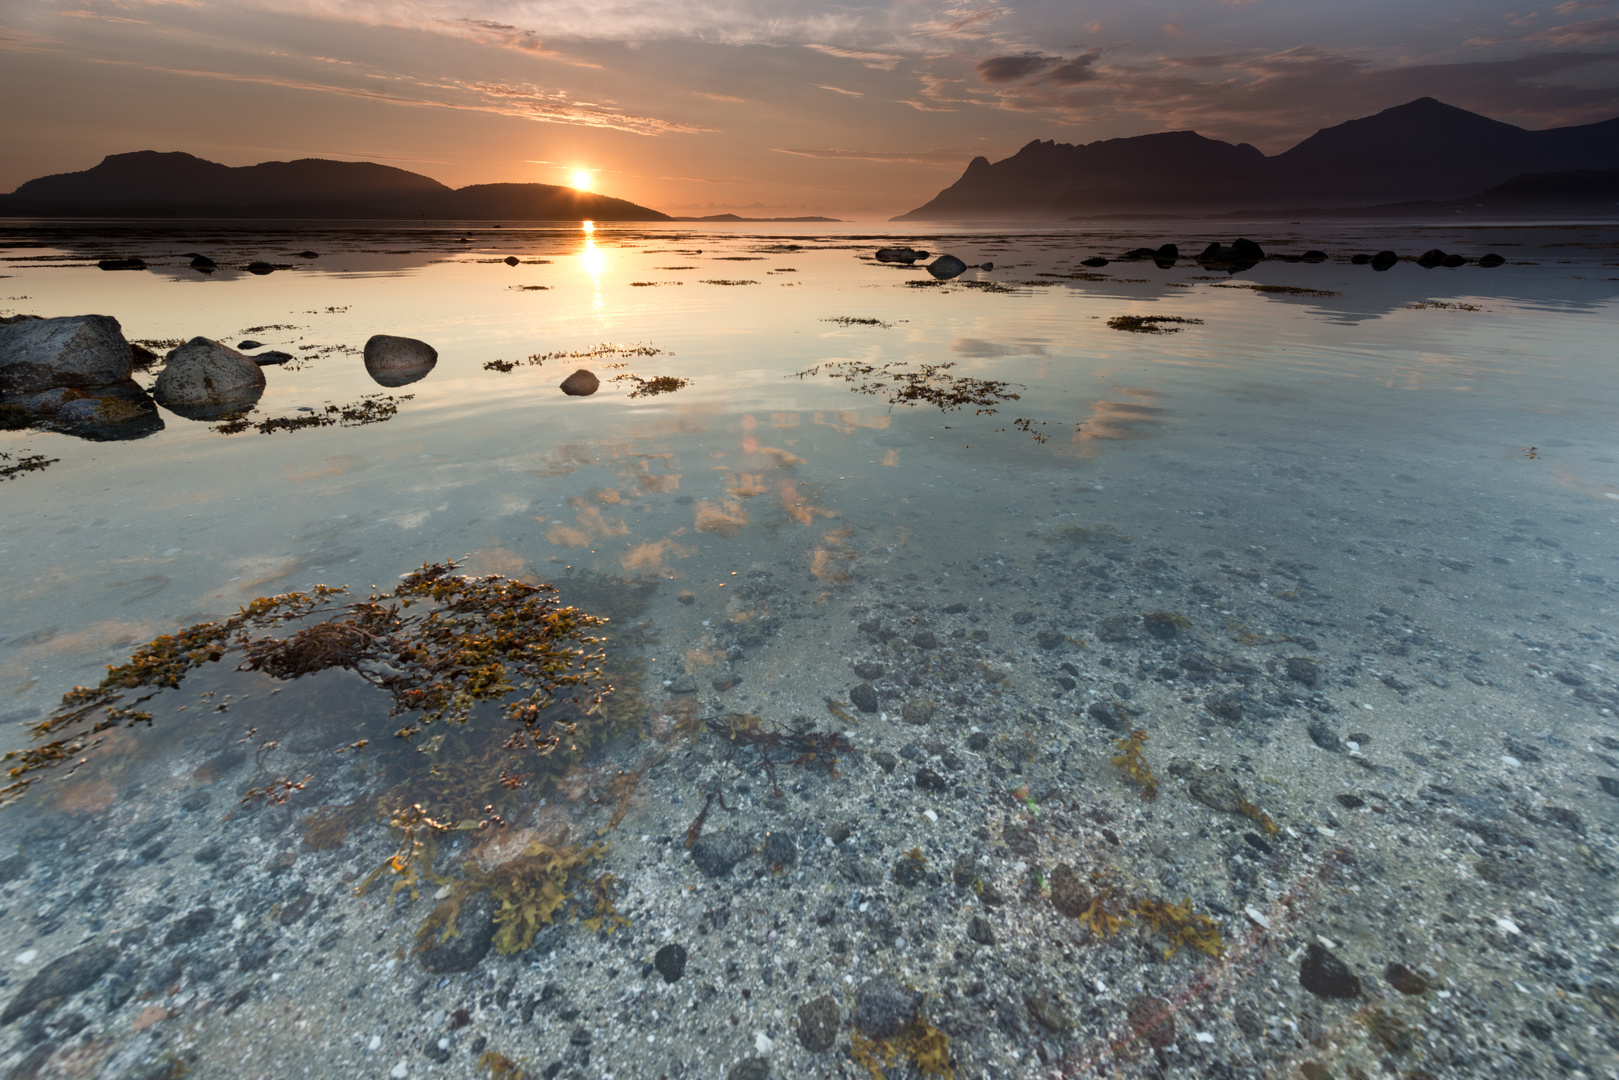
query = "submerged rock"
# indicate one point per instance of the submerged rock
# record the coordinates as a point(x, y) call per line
point(1383, 260)
point(74, 351)
point(122, 264)
point(510, 260)
point(476, 926)
point(1094, 260)
point(946, 267)
point(1431, 258)
point(397, 361)
point(818, 1024)
point(1324, 975)
point(906, 255)
point(204, 380)
point(581, 383)
point(68, 974)
point(883, 1008)
point(715, 853)
point(1492, 259)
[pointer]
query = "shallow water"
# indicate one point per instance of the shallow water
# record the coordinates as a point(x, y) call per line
point(1369, 516)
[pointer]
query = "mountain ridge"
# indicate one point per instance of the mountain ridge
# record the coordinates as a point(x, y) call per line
point(1424, 150)
point(149, 183)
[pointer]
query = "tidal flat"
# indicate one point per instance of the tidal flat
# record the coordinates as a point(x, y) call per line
point(1167, 667)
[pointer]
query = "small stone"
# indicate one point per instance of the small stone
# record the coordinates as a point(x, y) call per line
point(1153, 1019)
point(1303, 670)
point(1022, 618)
point(1106, 715)
point(190, 926)
point(1324, 975)
point(715, 853)
point(1069, 893)
point(581, 383)
point(670, 962)
point(818, 1024)
point(780, 850)
point(1405, 980)
point(928, 780)
point(909, 872)
point(249, 343)
point(885, 761)
point(864, 697)
point(1349, 802)
point(868, 670)
point(925, 640)
point(979, 930)
point(1117, 628)
point(1323, 736)
point(1045, 1007)
point(1214, 789)
point(918, 711)
point(955, 609)
point(883, 1008)
point(1049, 639)
point(753, 1068)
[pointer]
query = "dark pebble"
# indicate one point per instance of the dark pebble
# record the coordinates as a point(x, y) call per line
point(1022, 618)
point(864, 697)
point(753, 1068)
point(979, 930)
point(196, 800)
point(1405, 980)
point(883, 1008)
point(1152, 1019)
point(190, 926)
point(1609, 784)
point(868, 670)
point(67, 974)
point(715, 853)
point(909, 872)
point(670, 962)
point(1303, 670)
point(1049, 639)
point(1323, 736)
point(1324, 975)
point(925, 640)
point(780, 850)
point(1069, 893)
point(818, 1024)
point(978, 740)
point(955, 609)
point(1349, 802)
point(928, 780)
point(1106, 715)
point(885, 761)
point(476, 923)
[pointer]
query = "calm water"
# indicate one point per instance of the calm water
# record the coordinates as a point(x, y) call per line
point(1405, 483)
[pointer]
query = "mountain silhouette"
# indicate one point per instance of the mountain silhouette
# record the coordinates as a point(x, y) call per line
point(1424, 150)
point(150, 183)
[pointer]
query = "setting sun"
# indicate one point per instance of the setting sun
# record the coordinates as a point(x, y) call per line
point(581, 179)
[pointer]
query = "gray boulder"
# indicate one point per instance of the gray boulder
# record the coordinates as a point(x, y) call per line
point(204, 380)
point(75, 351)
point(396, 361)
point(946, 267)
point(581, 383)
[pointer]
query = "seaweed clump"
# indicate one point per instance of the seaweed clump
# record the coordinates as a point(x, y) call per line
point(1150, 324)
point(528, 892)
point(23, 463)
point(658, 384)
point(924, 384)
point(1130, 761)
point(371, 409)
point(1104, 908)
point(920, 1043)
point(438, 644)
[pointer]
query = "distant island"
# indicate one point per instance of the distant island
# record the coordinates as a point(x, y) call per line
point(148, 183)
point(734, 217)
point(1424, 158)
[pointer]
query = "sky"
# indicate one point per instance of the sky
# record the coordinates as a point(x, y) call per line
point(770, 107)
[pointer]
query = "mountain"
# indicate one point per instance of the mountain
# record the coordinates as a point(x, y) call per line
point(152, 184)
point(1423, 150)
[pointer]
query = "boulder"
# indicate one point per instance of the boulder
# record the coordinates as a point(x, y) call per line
point(270, 356)
point(1313, 256)
point(1383, 260)
point(906, 255)
point(1431, 258)
point(202, 262)
point(249, 344)
point(1492, 259)
point(1360, 259)
point(510, 260)
point(122, 264)
point(1453, 261)
point(75, 351)
point(396, 361)
point(309, 254)
point(946, 267)
point(1094, 260)
point(260, 267)
point(1167, 251)
point(204, 380)
point(581, 383)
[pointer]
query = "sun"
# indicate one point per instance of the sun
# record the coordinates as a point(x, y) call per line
point(581, 179)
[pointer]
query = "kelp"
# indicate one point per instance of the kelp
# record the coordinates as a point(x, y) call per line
point(15, 465)
point(923, 1045)
point(1130, 761)
point(371, 409)
point(439, 644)
point(923, 384)
point(658, 384)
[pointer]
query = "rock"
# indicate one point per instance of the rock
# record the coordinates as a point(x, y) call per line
point(928, 780)
point(308, 254)
point(753, 1068)
point(1167, 251)
point(1323, 736)
point(1303, 670)
point(1163, 625)
point(909, 872)
point(190, 926)
point(397, 361)
point(979, 930)
point(925, 639)
point(1069, 892)
point(510, 260)
point(249, 344)
point(1490, 260)
point(946, 267)
point(918, 711)
point(272, 356)
point(1313, 256)
point(1138, 253)
point(13, 867)
point(1324, 975)
point(818, 1024)
point(1453, 261)
point(260, 267)
point(670, 962)
point(1106, 715)
point(1022, 618)
point(202, 262)
point(781, 851)
point(1117, 628)
point(1360, 259)
point(955, 609)
point(476, 926)
point(204, 380)
point(1093, 261)
point(1383, 260)
point(715, 853)
point(883, 1008)
point(885, 761)
point(67, 974)
point(1049, 639)
point(141, 357)
point(1247, 249)
point(122, 264)
point(1405, 980)
point(581, 383)
point(868, 670)
point(904, 255)
point(864, 697)
point(74, 351)
point(1153, 1019)
point(1214, 789)
point(1047, 1008)
point(1430, 258)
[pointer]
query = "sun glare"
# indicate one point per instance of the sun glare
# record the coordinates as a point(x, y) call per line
point(581, 179)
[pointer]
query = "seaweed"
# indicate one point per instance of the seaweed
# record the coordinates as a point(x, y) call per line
point(606, 918)
point(925, 384)
point(658, 384)
point(1150, 324)
point(727, 281)
point(438, 645)
point(805, 748)
point(499, 365)
point(371, 409)
point(24, 462)
point(1248, 809)
point(854, 320)
point(1130, 761)
point(501, 1067)
point(923, 1045)
point(1183, 926)
point(527, 891)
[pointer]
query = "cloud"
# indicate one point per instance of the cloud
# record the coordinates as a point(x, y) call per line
point(1005, 69)
point(879, 61)
point(1590, 32)
point(948, 158)
point(719, 97)
point(840, 90)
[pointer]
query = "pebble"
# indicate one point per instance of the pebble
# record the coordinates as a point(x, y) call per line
point(1324, 975)
point(864, 697)
point(883, 1008)
point(715, 853)
point(818, 1024)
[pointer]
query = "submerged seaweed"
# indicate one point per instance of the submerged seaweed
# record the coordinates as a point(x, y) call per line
point(924, 384)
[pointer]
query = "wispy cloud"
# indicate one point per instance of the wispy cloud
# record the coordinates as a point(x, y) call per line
point(840, 90)
point(878, 60)
point(945, 158)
